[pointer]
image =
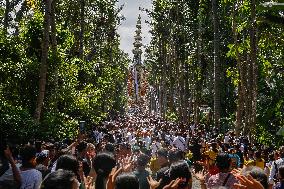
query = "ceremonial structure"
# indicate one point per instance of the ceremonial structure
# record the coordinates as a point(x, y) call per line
point(137, 82)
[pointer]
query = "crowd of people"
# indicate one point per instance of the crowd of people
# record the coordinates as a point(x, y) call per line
point(143, 152)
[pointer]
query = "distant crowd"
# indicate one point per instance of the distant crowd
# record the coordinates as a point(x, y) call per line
point(142, 152)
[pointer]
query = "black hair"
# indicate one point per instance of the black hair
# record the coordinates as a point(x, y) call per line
point(41, 158)
point(27, 153)
point(281, 171)
point(163, 152)
point(68, 162)
point(60, 179)
point(258, 154)
point(109, 147)
point(223, 161)
point(180, 169)
point(82, 146)
point(163, 174)
point(142, 160)
point(103, 164)
point(173, 156)
point(258, 174)
point(126, 181)
point(281, 151)
point(38, 146)
point(271, 157)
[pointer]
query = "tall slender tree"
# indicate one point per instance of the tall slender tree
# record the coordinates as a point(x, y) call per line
point(253, 60)
point(44, 61)
point(217, 66)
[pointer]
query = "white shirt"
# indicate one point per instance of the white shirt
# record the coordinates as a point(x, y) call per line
point(179, 142)
point(147, 141)
point(192, 128)
point(8, 175)
point(242, 148)
point(155, 146)
point(130, 136)
point(96, 135)
point(226, 139)
point(31, 179)
point(279, 162)
point(133, 141)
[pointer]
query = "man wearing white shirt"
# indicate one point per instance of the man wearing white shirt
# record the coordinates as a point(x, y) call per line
point(147, 140)
point(130, 136)
point(275, 166)
point(226, 139)
point(155, 146)
point(179, 142)
point(192, 127)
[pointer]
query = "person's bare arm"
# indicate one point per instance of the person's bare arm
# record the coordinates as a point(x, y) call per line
point(201, 177)
point(79, 138)
point(15, 170)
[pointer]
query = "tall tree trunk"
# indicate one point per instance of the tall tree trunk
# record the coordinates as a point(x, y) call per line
point(19, 16)
point(54, 50)
point(198, 84)
point(6, 16)
point(253, 56)
point(248, 100)
point(161, 64)
point(82, 28)
point(187, 95)
point(217, 89)
point(181, 91)
point(44, 63)
point(171, 80)
point(240, 103)
point(164, 78)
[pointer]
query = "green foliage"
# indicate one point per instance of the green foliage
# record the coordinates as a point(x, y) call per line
point(175, 61)
point(16, 122)
point(90, 88)
point(171, 116)
point(58, 126)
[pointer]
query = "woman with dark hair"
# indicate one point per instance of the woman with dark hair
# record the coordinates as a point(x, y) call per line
point(60, 179)
point(68, 162)
point(180, 169)
point(224, 177)
point(126, 181)
point(103, 164)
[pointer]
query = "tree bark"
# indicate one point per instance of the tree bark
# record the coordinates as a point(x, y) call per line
point(44, 61)
point(217, 100)
point(6, 16)
point(54, 50)
point(240, 103)
point(19, 16)
point(82, 28)
point(253, 56)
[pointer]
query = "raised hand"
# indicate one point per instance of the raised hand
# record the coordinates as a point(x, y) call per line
point(112, 176)
point(200, 175)
point(81, 171)
point(173, 184)
point(89, 183)
point(236, 172)
point(153, 183)
point(8, 154)
point(247, 182)
point(127, 164)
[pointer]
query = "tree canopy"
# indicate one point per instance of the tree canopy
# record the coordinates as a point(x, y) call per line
point(217, 62)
